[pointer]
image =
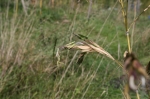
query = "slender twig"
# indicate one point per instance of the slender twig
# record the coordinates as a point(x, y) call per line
point(102, 27)
point(89, 9)
point(123, 11)
point(138, 17)
point(129, 46)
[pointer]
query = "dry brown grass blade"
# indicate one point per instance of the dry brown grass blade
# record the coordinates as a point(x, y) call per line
point(90, 46)
point(101, 51)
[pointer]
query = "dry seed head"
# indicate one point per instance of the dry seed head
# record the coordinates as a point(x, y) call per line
point(90, 46)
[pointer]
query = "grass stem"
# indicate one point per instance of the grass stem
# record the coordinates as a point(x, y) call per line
point(137, 94)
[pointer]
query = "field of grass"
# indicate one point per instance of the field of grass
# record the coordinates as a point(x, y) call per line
point(28, 46)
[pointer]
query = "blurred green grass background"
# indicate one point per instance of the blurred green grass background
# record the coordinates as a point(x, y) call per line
point(29, 44)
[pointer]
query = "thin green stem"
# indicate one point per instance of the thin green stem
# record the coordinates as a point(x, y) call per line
point(124, 13)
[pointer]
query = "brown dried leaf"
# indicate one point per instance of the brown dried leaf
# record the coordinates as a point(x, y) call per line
point(83, 47)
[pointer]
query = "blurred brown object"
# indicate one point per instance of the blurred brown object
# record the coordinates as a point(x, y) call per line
point(137, 74)
point(81, 57)
point(119, 81)
point(148, 81)
point(33, 2)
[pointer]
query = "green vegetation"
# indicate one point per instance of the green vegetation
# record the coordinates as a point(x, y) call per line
point(29, 43)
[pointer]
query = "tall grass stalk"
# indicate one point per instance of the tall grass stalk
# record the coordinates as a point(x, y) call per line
point(16, 8)
point(125, 15)
point(132, 34)
point(24, 7)
point(138, 16)
point(93, 76)
point(16, 47)
point(41, 3)
point(101, 29)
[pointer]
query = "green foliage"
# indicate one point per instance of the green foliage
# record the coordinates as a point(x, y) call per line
point(40, 77)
